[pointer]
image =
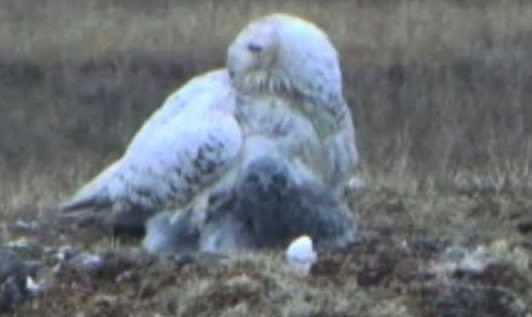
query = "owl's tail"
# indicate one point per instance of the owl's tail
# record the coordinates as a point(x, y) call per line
point(94, 194)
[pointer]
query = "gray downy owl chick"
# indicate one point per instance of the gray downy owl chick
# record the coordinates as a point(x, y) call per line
point(268, 209)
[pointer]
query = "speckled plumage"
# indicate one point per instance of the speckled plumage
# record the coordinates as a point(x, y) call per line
point(183, 149)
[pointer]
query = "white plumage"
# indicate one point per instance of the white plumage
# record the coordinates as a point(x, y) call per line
point(183, 149)
point(280, 98)
point(210, 91)
point(289, 89)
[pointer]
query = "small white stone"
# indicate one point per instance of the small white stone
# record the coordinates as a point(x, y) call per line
point(19, 243)
point(356, 184)
point(65, 253)
point(25, 225)
point(91, 261)
point(32, 286)
point(301, 255)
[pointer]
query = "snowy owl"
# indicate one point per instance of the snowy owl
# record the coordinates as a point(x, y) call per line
point(179, 153)
point(279, 104)
point(297, 129)
point(289, 88)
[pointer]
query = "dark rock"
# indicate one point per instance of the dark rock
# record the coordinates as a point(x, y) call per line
point(505, 274)
point(109, 265)
point(13, 275)
point(525, 226)
point(182, 260)
point(461, 300)
point(167, 235)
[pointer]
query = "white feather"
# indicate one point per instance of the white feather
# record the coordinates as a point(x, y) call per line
point(201, 93)
point(192, 151)
point(180, 150)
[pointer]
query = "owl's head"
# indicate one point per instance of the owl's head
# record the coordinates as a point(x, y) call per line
point(284, 54)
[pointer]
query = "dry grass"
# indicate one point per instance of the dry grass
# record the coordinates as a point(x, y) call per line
point(439, 89)
point(381, 31)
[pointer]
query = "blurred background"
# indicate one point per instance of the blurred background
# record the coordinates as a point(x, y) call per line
point(438, 88)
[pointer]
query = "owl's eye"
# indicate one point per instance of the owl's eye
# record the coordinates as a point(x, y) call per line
point(254, 48)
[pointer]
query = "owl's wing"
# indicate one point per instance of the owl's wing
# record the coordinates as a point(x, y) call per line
point(180, 161)
point(342, 155)
point(168, 164)
point(200, 91)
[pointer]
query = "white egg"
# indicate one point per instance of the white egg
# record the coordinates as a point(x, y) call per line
point(301, 255)
point(32, 286)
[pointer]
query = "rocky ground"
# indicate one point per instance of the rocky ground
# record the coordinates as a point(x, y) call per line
point(423, 251)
